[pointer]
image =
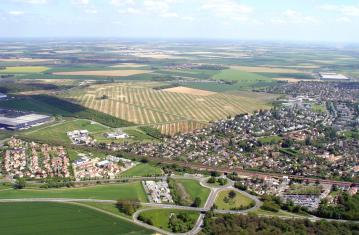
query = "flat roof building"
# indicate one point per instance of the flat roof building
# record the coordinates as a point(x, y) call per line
point(15, 120)
point(332, 76)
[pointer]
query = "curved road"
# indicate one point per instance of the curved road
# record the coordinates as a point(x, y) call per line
point(197, 227)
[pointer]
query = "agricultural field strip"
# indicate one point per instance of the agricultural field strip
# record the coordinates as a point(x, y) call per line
point(145, 106)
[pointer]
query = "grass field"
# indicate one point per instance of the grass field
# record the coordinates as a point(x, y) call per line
point(160, 217)
point(143, 170)
point(143, 105)
point(224, 202)
point(59, 219)
point(105, 192)
point(58, 132)
point(193, 189)
point(319, 108)
point(109, 73)
point(24, 69)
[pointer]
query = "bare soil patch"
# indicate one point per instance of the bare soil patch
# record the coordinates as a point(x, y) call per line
point(189, 91)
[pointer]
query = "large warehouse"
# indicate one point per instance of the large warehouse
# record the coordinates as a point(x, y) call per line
point(15, 120)
point(332, 76)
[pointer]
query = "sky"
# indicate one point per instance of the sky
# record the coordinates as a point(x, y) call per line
point(285, 20)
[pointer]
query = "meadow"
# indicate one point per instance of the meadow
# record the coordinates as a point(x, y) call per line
point(125, 191)
point(58, 131)
point(224, 202)
point(142, 169)
point(160, 217)
point(192, 189)
point(59, 219)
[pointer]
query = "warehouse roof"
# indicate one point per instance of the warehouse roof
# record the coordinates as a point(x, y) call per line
point(13, 121)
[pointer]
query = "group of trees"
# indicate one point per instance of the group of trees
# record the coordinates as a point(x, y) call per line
point(128, 206)
point(58, 183)
point(220, 181)
point(155, 133)
point(347, 207)
point(180, 223)
point(250, 224)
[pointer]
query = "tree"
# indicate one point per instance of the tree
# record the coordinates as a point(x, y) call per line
point(127, 206)
point(197, 202)
point(232, 194)
point(20, 183)
point(211, 180)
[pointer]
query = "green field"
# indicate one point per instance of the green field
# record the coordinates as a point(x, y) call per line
point(224, 202)
point(270, 139)
point(192, 189)
point(60, 219)
point(160, 217)
point(142, 170)
point(319, 108)
point(24, 69)
point(124, 191)
point(57, 133)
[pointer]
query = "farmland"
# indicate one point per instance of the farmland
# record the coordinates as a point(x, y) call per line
point(58, 219)
point(143, 105)
point(109, 73)
point(124, 191)
point(24, 69)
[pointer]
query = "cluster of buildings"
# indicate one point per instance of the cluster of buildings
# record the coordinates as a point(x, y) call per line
point(81, 137)
point(158, 191)
point(17, 120)
point(32, 160)
point(94, 168)
point(303, 144)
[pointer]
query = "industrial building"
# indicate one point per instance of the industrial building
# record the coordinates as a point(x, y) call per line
point(15, 120)
point(3, 96)
point(332, 76)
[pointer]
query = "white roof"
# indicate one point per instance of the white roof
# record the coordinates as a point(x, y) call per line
point(22, 119)
point(334, 76)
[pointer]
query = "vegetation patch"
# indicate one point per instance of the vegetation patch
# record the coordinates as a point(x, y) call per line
point(233, 200)
point(143, 169)
point(126, 191)
point(57, 219)
point(188, 192)
point(177, 221)
point(24, 69)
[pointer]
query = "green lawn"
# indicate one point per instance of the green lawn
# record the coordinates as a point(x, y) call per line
point(319, 108)
point(160, 217)
point(61, 219)
point(224, 202)
point(106, 207)
point(270, 139)
point(194, 189)
point(58, 132)
point(24, 69)
point(143, 170)
point(106, 192)
point(244, 80)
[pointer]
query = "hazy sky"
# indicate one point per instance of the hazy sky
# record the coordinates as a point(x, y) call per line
point(312, 20)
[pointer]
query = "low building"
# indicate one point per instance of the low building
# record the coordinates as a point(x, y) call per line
point(332, 76)
point(16, 120)
point(3, 96)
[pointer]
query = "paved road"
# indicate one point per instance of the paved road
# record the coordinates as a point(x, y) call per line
point(197, 227)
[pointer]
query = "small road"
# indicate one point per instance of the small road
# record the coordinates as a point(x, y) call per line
point(197, 227)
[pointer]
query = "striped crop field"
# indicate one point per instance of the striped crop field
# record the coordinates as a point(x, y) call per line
point(170, 112)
